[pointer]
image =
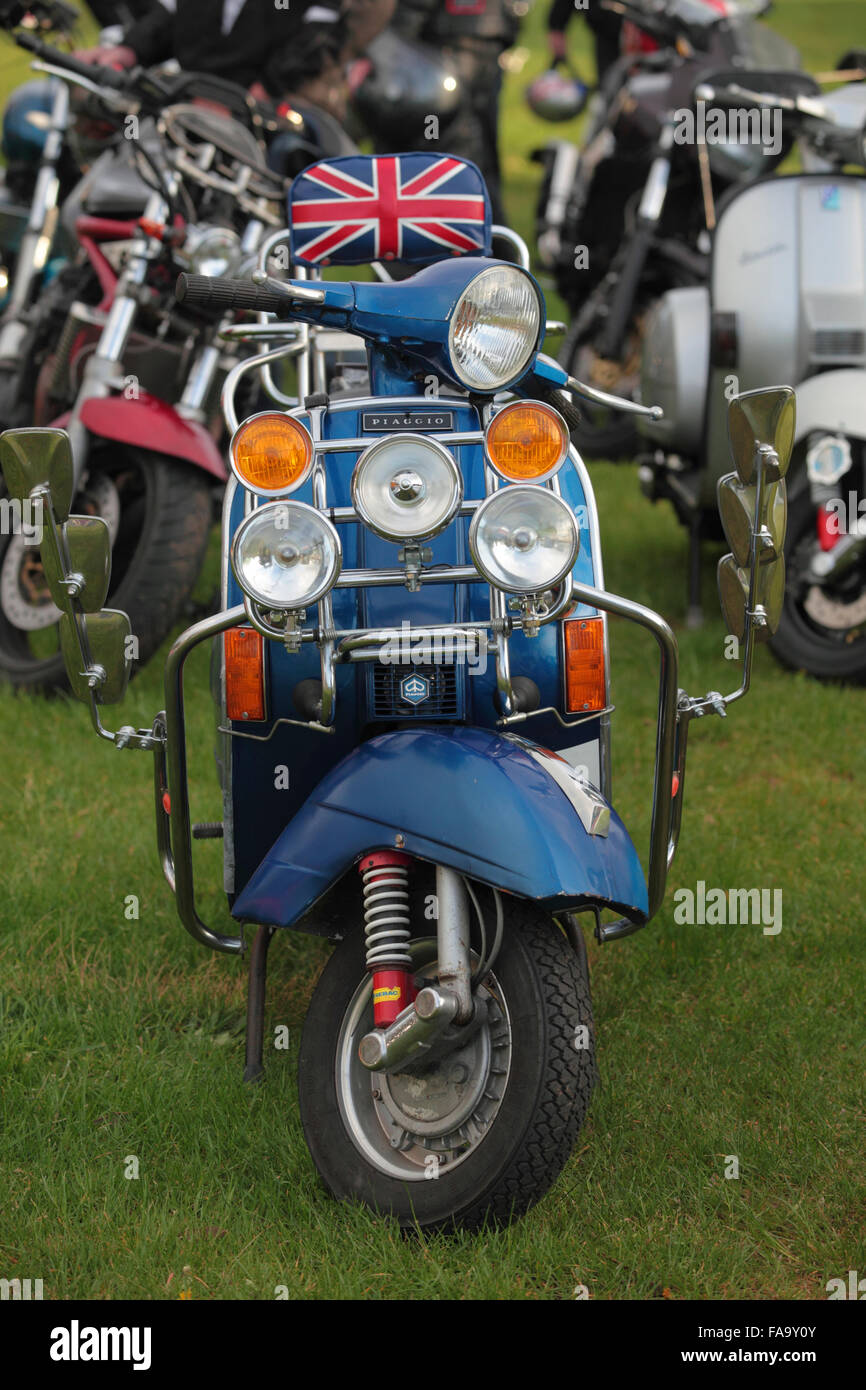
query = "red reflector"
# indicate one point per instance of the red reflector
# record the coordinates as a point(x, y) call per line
point(585, 685)
point(245, 674)
point(829, 530)
point(166, 803)
point(675, 784)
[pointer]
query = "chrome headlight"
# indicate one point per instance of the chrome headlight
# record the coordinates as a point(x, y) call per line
point(495, 328)
point(406, 487)
point(524, 539)
point(217, 251)
point(286, 555)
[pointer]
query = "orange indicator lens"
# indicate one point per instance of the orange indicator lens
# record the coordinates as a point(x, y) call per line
point(527, 442)
point(245, 674)
point(584, 665)
point(271, 453)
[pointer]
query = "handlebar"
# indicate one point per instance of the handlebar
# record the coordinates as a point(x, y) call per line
point(798, 105)
point(93, 72)
point(845, 144)
point(223, 294)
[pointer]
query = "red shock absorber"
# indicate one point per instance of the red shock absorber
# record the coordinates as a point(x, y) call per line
point(387, 930)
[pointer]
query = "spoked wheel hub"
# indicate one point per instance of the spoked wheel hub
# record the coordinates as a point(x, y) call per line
point(24, 595)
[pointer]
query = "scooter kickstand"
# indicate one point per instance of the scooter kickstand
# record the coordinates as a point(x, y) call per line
point(254, 1068)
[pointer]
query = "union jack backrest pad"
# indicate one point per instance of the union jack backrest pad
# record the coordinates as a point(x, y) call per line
point(408, 207)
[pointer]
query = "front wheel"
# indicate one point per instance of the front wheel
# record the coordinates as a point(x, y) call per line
point(483, 1131)
point(823, 626)
point(158, 514)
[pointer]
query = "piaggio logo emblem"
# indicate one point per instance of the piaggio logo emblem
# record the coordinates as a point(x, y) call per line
point(415, 689)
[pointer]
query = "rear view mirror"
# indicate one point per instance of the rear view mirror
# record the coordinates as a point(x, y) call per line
point(762, 423)
point(88, 547)
point(105, 638)
point(38, 458)
point(738, 508)
point(753, 506)
point(769, 597)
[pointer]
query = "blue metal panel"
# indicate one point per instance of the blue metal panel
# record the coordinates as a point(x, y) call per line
point(263, 805)
point(465, 798)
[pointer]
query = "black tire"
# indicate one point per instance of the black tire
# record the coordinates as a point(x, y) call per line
point(165, 519)
point(601, 434)
point(802, 641)
point(545, 988)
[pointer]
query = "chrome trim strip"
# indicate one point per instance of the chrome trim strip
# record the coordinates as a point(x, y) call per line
point(591, 807)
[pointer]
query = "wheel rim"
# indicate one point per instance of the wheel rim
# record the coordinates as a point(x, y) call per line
point(28, 616)
point(834, 616)
point(424, 1122)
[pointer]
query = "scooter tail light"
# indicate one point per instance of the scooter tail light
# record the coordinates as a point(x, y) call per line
point(585, 683)
point(245, 674)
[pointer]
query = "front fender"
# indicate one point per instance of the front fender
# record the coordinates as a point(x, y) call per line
point(152, 424)
point(467, 798)
point(833, 401)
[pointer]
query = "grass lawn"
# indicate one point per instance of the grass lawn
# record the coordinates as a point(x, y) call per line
point(121, 1040)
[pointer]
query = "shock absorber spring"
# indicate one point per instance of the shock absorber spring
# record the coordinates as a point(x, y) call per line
point(387, 931)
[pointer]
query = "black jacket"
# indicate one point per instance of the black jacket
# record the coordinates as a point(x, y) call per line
point(262, 36)
point(448, 21)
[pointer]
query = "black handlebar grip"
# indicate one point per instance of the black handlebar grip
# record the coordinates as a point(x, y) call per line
point(222, 294)
point(102, 76)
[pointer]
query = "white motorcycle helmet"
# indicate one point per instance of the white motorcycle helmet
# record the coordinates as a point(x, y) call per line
point(557, 95)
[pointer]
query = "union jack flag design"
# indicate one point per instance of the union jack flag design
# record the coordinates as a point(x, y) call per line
point(407, 207)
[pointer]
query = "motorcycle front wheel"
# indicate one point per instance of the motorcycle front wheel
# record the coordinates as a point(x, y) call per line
point(823, 627)
point(479, 1134)
point(158, 513)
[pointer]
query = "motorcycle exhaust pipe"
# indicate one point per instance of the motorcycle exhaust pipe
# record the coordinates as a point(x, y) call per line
point(411, 1033)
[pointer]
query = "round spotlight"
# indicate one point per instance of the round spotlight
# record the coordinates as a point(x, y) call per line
point(527, 442)
point(406, 488)
point(524, 539)
point(271, 453)
point(286, 555)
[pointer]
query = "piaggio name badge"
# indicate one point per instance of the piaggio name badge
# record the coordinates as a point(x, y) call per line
point(398, 420)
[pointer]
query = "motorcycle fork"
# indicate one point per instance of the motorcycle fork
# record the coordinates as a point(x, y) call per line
point(101, 372)
point(652, 204)
point(407, 1024)
point(37, 240)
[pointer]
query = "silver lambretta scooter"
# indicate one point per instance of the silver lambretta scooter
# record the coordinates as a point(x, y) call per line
point(786, 302)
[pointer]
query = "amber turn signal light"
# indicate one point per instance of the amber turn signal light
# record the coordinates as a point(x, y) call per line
point(271, 453)
point(585, 684)
point(245, 674)
point(526, 442)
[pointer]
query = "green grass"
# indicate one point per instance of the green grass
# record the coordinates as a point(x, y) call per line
point(122, 1038)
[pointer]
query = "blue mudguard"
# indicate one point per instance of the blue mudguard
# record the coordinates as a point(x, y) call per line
point(467, 798)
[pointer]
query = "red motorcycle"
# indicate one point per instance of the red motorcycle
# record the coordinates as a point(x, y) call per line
point(109, 355)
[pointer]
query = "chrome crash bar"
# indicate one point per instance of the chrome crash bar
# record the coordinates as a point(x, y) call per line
point(171, 789)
